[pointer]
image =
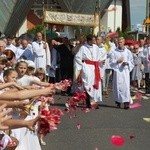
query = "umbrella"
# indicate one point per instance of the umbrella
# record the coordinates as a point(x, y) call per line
point(50, 34)
point(112, 35)
point(129, 42)
point(27, 36)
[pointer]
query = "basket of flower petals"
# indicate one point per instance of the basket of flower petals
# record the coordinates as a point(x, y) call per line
point(8, 142)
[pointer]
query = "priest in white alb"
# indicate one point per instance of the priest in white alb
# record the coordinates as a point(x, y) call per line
point(41, 54)
point(88, 60)
point(121, 61)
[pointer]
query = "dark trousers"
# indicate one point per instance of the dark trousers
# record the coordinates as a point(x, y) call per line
point(88, 103)
point(52, 80)
point(147, 83)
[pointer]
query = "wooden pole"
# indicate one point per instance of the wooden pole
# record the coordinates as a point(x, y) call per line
point(44, 29)
point(99, 13)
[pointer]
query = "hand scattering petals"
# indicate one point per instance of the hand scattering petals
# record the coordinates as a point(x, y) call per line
point(135, 105)
point(117, 140)
point(146, 119)
point(96, 148)
point(63, 85)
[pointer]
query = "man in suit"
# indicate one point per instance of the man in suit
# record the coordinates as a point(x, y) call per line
point(66, 60)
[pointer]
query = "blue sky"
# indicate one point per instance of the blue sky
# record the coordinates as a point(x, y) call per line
point(138, 11)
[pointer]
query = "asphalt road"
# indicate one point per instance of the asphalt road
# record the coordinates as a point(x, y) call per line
point(98, 126)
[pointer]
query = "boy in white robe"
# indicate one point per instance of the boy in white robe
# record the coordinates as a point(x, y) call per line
point(87, 61)
point(121, 61)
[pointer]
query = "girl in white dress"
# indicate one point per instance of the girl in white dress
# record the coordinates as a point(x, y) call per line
point(22, 134)
point(41, 75)
point(25, 80)
point(3, 62)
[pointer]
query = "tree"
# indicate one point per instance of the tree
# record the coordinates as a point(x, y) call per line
point(124, 34)
point(35, 29)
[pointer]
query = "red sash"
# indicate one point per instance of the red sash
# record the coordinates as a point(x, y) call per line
point(97, 72)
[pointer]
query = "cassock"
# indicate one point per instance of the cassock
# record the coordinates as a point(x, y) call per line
point(85, 59)
point(41, 56)
point(121, 76)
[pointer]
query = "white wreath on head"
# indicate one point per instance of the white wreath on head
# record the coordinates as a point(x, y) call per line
point(22, 60)
point(3, 56)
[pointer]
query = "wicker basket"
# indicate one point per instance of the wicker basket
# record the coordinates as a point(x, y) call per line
point(10, 147)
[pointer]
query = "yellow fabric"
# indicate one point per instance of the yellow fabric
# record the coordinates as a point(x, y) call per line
point(107, 46)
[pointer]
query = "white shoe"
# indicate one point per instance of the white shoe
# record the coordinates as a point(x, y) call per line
point(147, 95)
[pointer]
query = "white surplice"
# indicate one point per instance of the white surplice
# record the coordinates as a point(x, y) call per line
point(42, 56)
point(145, 59)
point(121, 76)
point(103, 55)
point(87, 52)
point(28, 140)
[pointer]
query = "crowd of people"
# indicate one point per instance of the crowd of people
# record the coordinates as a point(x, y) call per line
point(29, 69)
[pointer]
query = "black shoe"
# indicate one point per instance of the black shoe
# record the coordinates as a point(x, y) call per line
point(97, 107)
point(126, 105)
point(118, 104)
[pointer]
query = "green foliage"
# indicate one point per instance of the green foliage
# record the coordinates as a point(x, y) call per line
point(124, 34)
point(35, 29)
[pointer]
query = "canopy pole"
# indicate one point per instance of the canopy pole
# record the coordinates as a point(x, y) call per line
point(44, 29)
point(99, 13)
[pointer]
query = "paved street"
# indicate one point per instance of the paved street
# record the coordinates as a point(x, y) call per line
point(97, 127)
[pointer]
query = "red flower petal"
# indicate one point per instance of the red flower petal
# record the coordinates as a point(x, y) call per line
point(67, 110)
point(70, 117)
point(82, 109)
point(1, 145)
point(75, 116)
point(131, 137)
point(94, 105)
point(78, 125)
point(74, 108)
point(87, 110)
point(117, 140)
point(58, 98)
point(138, 96)
point(135, 105)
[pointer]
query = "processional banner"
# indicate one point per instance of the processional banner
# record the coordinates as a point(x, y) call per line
point(66, 18)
